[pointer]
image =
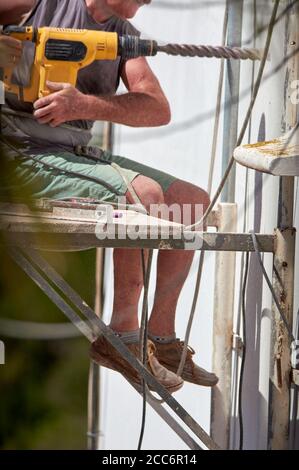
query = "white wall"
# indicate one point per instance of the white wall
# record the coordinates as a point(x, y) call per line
point(183, 148)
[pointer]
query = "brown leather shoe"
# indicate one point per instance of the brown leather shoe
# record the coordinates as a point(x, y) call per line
point(105, 355)
point(169, 355)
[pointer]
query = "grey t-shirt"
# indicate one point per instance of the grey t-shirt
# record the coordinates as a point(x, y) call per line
point(100, 77)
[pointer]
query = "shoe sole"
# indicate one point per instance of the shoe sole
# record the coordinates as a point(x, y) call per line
point(187, 378)
point(105, 362)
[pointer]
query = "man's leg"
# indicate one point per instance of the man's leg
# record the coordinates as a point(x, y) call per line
point(172, 270)
point(128, 275)
point(173, 266)
point(128, 283)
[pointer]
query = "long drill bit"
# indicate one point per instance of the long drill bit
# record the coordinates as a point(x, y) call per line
point(220, 52)
point(133, 46)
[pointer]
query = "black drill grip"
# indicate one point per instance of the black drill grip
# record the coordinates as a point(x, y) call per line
point(130, 47)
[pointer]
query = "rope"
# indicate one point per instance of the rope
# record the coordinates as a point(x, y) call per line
point(246, 120)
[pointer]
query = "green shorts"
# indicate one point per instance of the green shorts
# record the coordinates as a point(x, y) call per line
point(29, 178)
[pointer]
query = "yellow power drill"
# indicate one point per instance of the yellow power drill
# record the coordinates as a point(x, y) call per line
point(61, 52)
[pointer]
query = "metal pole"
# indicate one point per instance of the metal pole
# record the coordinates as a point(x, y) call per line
point(232, 89)
point(94, 381)
point(226, 262)
point(284, 260)
point(223, 331)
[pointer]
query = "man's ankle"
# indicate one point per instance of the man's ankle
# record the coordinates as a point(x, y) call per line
point(163, 339)
point(128, 337)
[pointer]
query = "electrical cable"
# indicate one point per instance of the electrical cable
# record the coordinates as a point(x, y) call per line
point(244, 269)
point(246, 120)
point(137, 205)
point(276, 301)
point(51, 166)
point(240, 410)
point(143, 352)
point(146, 270)
point(283, 318)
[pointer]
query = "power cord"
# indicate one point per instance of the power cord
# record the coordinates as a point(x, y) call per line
point(282, 315)
point(146, 270)
point(240, 410)
point(51, 166)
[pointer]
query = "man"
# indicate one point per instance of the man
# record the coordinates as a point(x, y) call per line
point(144, 105)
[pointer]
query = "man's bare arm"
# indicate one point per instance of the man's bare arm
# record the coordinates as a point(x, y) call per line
point(145, 104)
point(11, 11)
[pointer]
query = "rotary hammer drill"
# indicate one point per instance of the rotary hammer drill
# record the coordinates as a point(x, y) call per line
point(61, 52)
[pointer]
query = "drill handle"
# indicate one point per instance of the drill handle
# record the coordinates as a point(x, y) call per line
point(56, 73)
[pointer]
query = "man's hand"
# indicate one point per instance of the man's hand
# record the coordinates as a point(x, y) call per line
point(10, 51)
point(65, 104)
point(145, 104)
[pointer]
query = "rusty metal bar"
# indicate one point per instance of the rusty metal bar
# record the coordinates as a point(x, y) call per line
point(280, 368)
point(83, 237)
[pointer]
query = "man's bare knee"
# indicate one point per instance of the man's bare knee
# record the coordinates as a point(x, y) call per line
point(148, 191)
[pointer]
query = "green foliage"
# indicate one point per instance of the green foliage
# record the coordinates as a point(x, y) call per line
point(43, 384)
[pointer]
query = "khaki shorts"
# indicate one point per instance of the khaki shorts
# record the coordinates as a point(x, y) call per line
point(29, 178)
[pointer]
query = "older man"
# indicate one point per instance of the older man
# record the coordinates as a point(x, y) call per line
point(143, 105)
